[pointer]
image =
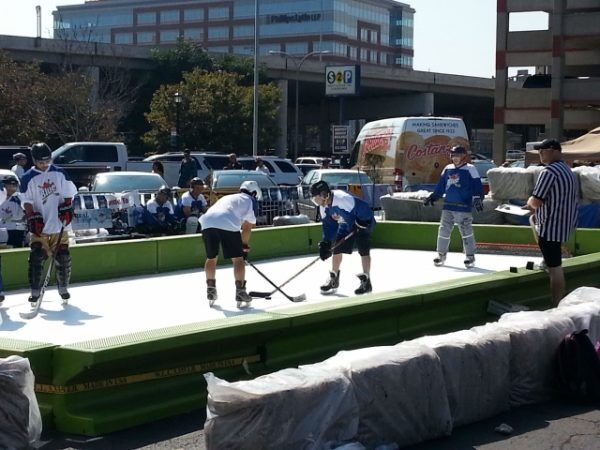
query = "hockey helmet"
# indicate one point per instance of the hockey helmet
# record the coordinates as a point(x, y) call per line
point(11, 180)
point(251, 187)
point(19, 156)
point(164, 190)
point(458, 150)
point(40, 152)
point(320, 188)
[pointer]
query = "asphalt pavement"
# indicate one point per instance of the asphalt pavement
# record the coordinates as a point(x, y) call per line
point(547, 426)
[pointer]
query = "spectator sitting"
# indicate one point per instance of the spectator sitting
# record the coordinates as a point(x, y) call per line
point(19, 168)
point(157, 167)
point(188, 170)
point(159, 215)
point(191, 206)
point(233, 163)
point(261, 167)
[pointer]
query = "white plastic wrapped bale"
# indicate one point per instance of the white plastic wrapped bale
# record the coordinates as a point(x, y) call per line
point(510, 183)
point(20, 419)
point(534, 338)
point(589, 182)
point(585, 316)
point(292, 408)
point(476, 373)
point(404, 205)
point(400, 391)
point(300, 219)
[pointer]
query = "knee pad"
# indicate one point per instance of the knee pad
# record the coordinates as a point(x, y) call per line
point(63, 265)
point(37, 256)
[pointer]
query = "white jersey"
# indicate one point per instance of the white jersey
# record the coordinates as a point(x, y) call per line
point(45, 191)
point(196, 205)
point(18, 171)
point(12, 216)
point(263, 169)
point(230, 212)
point(154, 208)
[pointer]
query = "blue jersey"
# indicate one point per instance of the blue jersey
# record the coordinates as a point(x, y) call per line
point(459, 185)
point(340, 216)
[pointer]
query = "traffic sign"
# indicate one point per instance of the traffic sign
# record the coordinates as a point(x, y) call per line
point(342, 80)
point(340, 139)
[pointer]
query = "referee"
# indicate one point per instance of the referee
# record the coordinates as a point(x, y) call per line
point(554, 203)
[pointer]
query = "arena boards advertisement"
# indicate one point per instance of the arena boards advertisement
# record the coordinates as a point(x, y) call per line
point(414, 148)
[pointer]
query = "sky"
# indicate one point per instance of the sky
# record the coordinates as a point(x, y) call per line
point(451, 36)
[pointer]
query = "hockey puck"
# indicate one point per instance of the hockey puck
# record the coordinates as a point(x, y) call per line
point(268, 297)
point(529, 265)
point(513, 269)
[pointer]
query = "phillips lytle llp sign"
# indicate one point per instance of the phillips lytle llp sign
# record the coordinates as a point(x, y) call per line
point(293, 18)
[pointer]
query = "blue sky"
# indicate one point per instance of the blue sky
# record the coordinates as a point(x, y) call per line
point(451, 36)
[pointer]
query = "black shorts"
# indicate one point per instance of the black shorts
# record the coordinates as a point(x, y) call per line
point(230, 241)
point(552, 252)
point(362, 240)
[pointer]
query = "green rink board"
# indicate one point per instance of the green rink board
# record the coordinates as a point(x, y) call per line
point(104, 385)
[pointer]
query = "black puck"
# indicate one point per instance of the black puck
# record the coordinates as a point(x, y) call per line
point(268, 298)
point(529, 265)
point(513, 269)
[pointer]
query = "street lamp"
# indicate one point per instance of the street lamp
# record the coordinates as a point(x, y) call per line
point(298, 61)
point(178, 98)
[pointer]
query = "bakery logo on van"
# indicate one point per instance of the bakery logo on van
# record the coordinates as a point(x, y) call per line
point(377, 141)
point(414, 151)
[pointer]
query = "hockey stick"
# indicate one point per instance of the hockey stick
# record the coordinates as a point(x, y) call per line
point(267, 295)
point(36, 309)
point(299, 298)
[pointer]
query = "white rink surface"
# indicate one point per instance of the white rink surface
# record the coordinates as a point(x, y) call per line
point(123, 306)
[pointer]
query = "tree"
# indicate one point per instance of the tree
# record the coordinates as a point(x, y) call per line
point(185, 56)
point(215, 115)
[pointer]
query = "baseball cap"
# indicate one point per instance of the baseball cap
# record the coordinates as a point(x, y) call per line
point(548, 144)
point(458, 150)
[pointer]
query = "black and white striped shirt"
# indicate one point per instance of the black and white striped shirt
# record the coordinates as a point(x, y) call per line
point(557, 189)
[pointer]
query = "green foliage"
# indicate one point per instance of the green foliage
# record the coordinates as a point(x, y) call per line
point(185, 56)
point(215, 114)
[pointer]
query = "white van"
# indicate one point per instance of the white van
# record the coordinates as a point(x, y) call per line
point(408, 151)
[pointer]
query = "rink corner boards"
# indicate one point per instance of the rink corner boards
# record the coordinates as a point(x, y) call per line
point(103, 385)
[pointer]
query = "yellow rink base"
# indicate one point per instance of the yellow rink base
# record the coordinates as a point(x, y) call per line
point(103, 385)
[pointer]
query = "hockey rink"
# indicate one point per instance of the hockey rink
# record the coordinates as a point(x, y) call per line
point(128, 305)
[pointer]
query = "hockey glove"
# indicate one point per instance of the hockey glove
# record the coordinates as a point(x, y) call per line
point(246, 249)
point(65, 211)
point(325, 250)
point(477, 204)
point(362, 224)
point(430, 200)
point(35, 223)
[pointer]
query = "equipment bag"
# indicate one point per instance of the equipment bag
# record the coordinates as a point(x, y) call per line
point(577, 368)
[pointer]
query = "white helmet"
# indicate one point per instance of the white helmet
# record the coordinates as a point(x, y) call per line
point(251, 186)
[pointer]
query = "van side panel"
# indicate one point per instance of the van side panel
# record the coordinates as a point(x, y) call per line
point(416, 148)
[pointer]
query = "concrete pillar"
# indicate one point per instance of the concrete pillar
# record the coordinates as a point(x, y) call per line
point(499, 145)
point(282, 148)
point(93, 73)
point(558, 69)
point(324, 127)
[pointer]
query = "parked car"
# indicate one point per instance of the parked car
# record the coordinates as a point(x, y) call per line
point(482, 167)
point(126, 181)
point(282, 170)
point(336, 178)
point(305, 167)
point(515, 154)
point(206, 162)
point(273, 200)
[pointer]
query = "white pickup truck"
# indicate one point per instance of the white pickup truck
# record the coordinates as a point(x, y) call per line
point(82, 160)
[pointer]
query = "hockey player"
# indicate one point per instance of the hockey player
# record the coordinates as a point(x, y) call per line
point(159, 214)
point(11, 213)
point(47, 196)
point(341, 214)
point(192, 205)
point(460, 185)
point(228, 224)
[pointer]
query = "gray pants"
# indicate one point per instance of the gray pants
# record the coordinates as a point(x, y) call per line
point(464, 220)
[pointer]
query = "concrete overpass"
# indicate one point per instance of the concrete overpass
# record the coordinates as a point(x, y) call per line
point(385, 92)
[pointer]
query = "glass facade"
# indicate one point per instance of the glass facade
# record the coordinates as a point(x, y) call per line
point(367, 31)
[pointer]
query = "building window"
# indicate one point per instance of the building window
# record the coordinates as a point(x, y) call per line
point(373, 57)
point(193, 33)
point(220, 49)
point(123, 38)
point(374, 36)
point(218, 13)
point(171, 16)
point(363, 54)
point(296, 48)
point(243, 49)
point(241, 31)
point(146, 18)
point(169, 35)
point(216, 33)
point(190, 15)
point(146, 37)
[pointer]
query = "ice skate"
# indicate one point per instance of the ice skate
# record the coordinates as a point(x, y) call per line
point(1, 297)
point(440, 259)
point(33, 299)
point(365, 284)
point(469, 261)
point(211, 292)
point(64, 294)
point(241, 296)
point(332, 283)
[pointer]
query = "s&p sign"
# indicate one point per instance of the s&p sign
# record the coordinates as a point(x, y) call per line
point(342, 80)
